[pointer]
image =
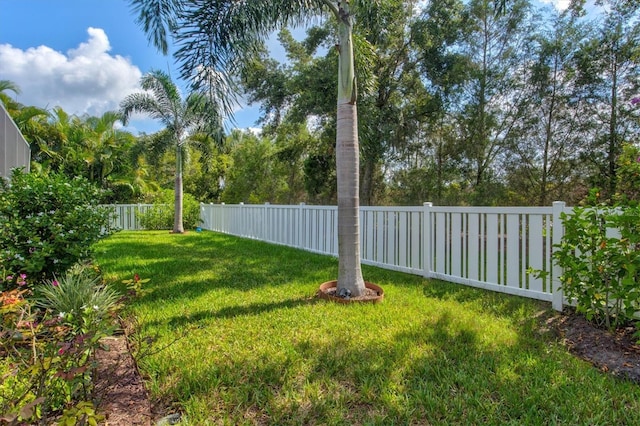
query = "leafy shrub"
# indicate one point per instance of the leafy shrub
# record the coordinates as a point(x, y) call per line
point(628, 176)
point(80, 300)
point(161, 214)
point(46, 360)
point(47, 224)
point(600, 256)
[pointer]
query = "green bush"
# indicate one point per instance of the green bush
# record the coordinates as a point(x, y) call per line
point(80, 300)
point(161, 214)
point(48, 348)
point(600, 256)
point(628, 176)
point(47, 224)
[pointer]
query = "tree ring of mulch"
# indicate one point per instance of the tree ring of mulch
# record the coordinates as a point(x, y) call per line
point(372, 294)
point(615, 352)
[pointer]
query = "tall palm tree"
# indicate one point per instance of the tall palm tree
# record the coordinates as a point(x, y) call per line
point(198, 113)
point(214, 36)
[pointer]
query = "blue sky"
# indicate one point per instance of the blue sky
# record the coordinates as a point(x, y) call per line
point(82, 55)
point(86, 56)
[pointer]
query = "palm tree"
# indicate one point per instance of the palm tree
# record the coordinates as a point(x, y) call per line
point(198, 113)
point(31, 121)
point(214, 36)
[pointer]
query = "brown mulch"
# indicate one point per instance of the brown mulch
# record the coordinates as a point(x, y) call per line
point(124, 400)
point(120, 392)
point(615, 353)
point(369, 294)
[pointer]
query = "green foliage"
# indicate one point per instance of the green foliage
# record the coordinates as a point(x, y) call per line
point(134, 285)
point(80, 300)
point(83, 413)
point(161, 214)
point(47, 359)
point(628, 185)
point(258, 342)
point(255, 176)
point(600, 256)
point(48, 223)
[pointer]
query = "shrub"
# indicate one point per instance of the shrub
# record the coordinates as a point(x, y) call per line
point(47, 224)
point(600, 256)
point(80, 300)
point(161, 214)
point(628, 176)
point(47, 360)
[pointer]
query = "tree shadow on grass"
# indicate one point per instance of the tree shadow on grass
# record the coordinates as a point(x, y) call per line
point(232, 312)
point(442, 370)
point(189, 266)
point(493, 301)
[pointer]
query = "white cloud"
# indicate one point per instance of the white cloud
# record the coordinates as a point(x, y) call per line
point(558, 4)
point(86, 79)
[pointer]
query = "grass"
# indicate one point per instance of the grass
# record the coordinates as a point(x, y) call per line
point(248, 343)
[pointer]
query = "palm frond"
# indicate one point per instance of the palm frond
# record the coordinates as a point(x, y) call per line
point(158, 20)
point(8, 85)
point(143, 103)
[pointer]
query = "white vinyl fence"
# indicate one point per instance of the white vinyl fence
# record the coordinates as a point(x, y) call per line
point(125, 216)
point(486, 247)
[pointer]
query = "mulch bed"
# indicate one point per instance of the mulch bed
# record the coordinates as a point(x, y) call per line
point(120, 390)
point(614, 353)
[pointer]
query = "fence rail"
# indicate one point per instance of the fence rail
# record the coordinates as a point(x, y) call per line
point(126, 216)
point(486, 247)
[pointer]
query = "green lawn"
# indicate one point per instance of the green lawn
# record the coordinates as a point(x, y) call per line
point(248, 343)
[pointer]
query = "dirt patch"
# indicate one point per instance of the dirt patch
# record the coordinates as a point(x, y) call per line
point(615, 353)
point(120, 390)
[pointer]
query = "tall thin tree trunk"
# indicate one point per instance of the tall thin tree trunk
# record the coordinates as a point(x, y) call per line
point(347, 162)
point(613, 149)
point(178, 227)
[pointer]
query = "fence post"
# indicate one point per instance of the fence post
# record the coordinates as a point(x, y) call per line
point(211, 224)
point(426, 240)
point(556, 271)
point(224, 223)
point(299, 239)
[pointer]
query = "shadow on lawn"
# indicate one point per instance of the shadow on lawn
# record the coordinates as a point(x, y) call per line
point(437, 371)
point(191, 265)
point(438, 367)
point(233, 312)
point(492, 301)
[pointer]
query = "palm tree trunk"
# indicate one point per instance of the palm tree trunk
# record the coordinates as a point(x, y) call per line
point(178, 227)
point(347, 162)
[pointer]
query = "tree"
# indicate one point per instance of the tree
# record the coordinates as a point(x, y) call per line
point(198, 113)
point(254, 177)
point(608, 76)
point(298, 108)
point(31, 121)
point(494, 43)
point(437, 35)
point(543, 163)
point(214, 36)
